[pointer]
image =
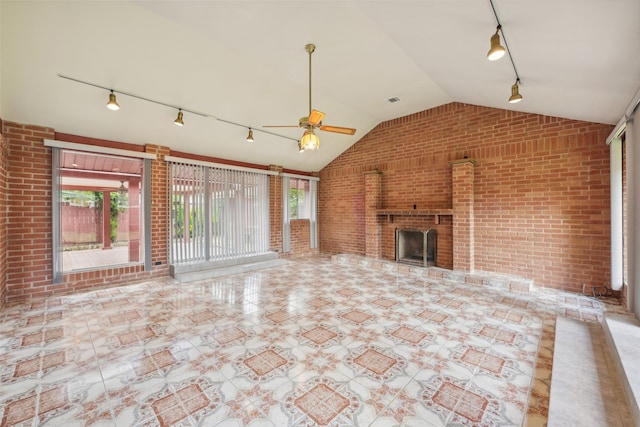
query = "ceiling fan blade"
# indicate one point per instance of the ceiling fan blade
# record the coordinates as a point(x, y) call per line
point(338, 129)
point(315, 117)
point(280, 126)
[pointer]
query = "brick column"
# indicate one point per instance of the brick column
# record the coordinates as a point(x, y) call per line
point(372, 202)
point(275, 209)
point(463, 217)
point(160, 208)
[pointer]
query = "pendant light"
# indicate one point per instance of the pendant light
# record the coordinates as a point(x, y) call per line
point(496, 51)
point(178, 121)
point(515, 93)
point(122, 191)
point(250, 136)
point(113, 104)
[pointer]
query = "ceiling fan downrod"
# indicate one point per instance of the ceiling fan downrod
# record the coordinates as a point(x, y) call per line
point(310, 48)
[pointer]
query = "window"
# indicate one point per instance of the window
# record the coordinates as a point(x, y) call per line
point(299, 202)
point(98, 208)
point(299, 199)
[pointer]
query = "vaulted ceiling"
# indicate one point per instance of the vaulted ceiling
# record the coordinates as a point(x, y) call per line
point(244, 63)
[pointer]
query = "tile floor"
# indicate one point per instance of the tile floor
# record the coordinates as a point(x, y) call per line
point(314, 342)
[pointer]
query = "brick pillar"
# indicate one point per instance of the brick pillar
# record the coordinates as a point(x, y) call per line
point(160, 207)
point(463, 217)
point(372, 202)
point(275, 209)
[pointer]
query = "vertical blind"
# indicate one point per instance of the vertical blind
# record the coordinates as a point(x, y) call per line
point(217, 213)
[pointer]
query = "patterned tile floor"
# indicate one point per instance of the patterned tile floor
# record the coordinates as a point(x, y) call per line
point(311, 343)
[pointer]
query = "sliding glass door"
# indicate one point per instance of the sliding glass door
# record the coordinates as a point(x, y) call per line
point(217, 213)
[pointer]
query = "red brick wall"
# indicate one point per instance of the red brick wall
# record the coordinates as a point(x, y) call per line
point(28, 251)
point(300, 239)
point(26, 225)
point(541, 207)
point(4, 154)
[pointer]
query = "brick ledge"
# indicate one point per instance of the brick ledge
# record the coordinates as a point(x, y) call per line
point(503, 282)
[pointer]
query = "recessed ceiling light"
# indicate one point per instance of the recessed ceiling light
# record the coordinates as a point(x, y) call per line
point(394, 99)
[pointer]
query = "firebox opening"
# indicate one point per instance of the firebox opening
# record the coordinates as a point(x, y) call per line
point(416, 247)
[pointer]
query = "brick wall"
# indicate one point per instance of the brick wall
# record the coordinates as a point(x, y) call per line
point(29, 250)
point(26, 265)
point(28, 261)
point(4, 154)
point(541, 184)
point(300, 239)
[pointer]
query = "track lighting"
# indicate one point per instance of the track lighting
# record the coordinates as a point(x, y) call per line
point(178, 121)
point(515, 93)
point(250, 136)
point(113, 104)
point(310, 140)
point(497, 51)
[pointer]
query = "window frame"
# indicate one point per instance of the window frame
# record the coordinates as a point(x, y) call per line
point(145, 203)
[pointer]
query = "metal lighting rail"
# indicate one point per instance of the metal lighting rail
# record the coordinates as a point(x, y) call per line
point(175, 107)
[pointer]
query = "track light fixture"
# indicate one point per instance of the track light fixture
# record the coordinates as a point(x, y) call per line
point(178, 121)
point(496, 51)
point(515, 93)
point(250, 136)
point(113, 104)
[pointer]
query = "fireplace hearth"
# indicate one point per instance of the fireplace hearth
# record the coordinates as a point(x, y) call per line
point(416, 247)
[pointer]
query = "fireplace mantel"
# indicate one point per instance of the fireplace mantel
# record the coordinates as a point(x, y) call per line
point(390, 213)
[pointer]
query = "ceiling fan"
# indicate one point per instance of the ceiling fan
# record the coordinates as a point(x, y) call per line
point(310, 140)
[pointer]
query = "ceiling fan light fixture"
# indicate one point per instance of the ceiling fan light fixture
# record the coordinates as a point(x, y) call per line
point(496, 51)
point(113, 104)
point(310, 140)
point(178, 121)
point(250, 136)
point(515, 93)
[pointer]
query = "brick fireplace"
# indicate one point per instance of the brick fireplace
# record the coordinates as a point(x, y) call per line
point(416, 247)
point(454, 225)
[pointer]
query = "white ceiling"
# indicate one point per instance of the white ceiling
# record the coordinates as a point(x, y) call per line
point(244, 62)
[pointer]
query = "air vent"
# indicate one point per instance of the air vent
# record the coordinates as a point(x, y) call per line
point(394, 99)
